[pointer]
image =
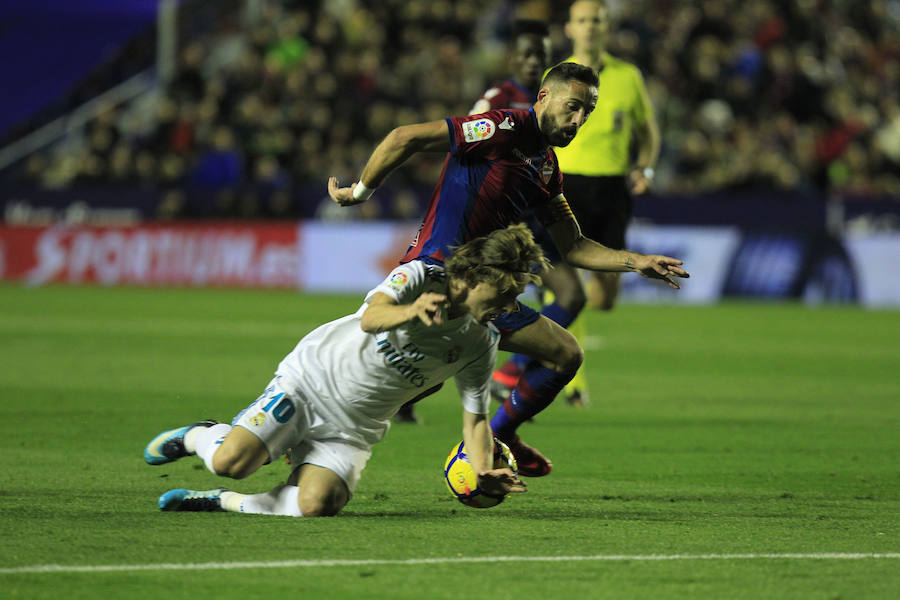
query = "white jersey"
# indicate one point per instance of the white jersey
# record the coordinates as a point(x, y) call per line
point(356, 381)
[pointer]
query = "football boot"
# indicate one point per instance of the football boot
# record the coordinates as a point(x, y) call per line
point(169, 445)
point(192, 500)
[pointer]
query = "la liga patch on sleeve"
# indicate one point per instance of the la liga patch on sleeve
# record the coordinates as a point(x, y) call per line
point(479, 130)
point(399, 279)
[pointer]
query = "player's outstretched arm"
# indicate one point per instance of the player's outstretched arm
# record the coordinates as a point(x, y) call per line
point(479, 441)
point(585, 253)
point(384, 314)
point(394, 150)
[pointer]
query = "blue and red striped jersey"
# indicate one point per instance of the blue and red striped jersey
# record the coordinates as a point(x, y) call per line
point(508, 94)
point(498, 167)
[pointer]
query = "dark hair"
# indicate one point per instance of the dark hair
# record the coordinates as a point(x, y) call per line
point(567, 71)
point(529, 27)
point(508, 258)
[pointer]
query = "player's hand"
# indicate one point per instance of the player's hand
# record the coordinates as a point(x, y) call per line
point(500, 482)
point(638, 182)
point(342, 195)
point(655, 266)
point(427, 308)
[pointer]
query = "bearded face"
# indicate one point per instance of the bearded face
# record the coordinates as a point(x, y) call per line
point(566, 108)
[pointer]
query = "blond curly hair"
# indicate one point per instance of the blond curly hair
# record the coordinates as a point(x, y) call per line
point(508, 258)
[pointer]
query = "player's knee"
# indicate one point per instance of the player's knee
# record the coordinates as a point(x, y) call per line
point(317, 505)
point(564, 354)
point(568, 354)
point(571, 357)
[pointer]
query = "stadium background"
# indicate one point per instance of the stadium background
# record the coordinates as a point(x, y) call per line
point(166, 240)
point(188, 143)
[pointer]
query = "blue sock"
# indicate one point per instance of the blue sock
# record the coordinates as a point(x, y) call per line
point(558, 314)
point(536, 389)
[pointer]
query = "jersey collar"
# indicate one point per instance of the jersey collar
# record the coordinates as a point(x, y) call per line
point(534, 121)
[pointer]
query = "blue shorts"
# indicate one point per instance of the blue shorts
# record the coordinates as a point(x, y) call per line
point(515, 321)
point(509, 322)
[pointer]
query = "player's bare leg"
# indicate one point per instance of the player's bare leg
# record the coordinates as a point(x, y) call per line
point(603, 290)
point(311, 491)
point(565, 282)
point(557, 357)
point(239, 455)
point(568, 299)
point(322, 493)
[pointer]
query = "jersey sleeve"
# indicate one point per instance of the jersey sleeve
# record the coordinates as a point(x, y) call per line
point(474, 379)
point(404, 284)
point(483, 135)
point(642, 110)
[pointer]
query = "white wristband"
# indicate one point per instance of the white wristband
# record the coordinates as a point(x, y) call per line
point(361, 192)
point(648, 173)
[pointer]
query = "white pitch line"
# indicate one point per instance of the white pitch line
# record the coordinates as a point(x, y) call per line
point(431, 561)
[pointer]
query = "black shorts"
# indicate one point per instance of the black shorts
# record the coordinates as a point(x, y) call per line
point(602, 206)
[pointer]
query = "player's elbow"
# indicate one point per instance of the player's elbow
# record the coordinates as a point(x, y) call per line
point(367, 323)
point(402, 137)
point(410, 139)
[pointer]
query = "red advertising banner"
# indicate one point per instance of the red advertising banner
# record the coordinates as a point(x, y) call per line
point(244, 254)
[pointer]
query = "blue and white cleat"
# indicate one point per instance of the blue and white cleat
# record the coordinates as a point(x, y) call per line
point(192, 500)
point(169, 445)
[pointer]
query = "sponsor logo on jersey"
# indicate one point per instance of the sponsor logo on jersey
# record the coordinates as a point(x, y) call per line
point(399, 278)
point(547, 171)
point(478, 131)
point(258, 420)
point(507, 124)
point(521, 156)
point(402, 360)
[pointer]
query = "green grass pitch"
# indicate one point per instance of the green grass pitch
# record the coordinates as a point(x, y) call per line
point(761, 431)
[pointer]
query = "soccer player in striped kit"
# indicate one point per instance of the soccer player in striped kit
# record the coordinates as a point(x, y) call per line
point(499, 165)
point(600, 178)
point(529, 58)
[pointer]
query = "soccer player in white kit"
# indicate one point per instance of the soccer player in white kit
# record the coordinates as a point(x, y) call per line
point(333, 396)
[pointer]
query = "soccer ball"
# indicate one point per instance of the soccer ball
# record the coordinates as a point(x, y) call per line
point(460, 477)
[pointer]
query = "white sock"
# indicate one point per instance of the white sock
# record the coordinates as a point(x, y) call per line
point(190, 439)
point(280, 500)
point(207, 440)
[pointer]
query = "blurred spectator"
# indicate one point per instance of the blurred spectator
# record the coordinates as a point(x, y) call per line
point(750, 93)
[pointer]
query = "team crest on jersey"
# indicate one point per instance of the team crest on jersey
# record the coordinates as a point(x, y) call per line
point(453, 354)
point(258, 420)
point(547, 171)
point(399, 278)
point(478, 131)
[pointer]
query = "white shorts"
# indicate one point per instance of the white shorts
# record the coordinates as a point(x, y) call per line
point(286, 425)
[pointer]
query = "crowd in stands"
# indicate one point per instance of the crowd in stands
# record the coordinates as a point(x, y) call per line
point(797, 95)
